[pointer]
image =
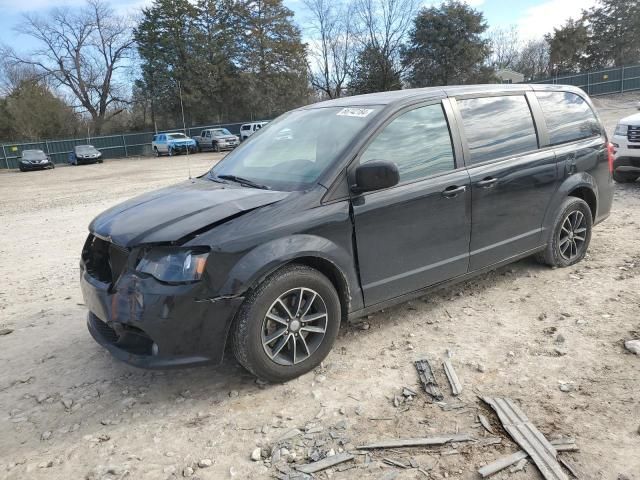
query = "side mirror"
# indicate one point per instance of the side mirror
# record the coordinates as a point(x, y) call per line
point(375, 175)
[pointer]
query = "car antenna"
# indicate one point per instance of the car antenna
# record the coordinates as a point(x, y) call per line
point(184, 128)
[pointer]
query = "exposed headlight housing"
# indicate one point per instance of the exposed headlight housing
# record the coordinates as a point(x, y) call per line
point(621, 130)
point(174, 265)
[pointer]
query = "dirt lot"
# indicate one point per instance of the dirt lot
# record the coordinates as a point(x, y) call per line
point(68, 410)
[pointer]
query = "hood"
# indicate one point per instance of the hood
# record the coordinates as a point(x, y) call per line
point(171, 213)
point(631, 120)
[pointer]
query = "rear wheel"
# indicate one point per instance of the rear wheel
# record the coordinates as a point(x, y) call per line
point(571, 234)
point(287, 324)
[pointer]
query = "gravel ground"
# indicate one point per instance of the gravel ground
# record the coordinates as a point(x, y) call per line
point(553, 340)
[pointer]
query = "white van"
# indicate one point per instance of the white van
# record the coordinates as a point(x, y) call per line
point(249, 129)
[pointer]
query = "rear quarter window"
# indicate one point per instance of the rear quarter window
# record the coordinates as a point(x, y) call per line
point(568, 117)
point(497, 127)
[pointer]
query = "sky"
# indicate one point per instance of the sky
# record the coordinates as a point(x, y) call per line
point(532, 18)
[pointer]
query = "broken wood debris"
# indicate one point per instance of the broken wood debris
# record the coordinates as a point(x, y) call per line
point(569, 467)
point(452, 376)
point(325, 463)
point(561, 445)
point(519, 466)
point(485, 423)
point(395, 463)
point(428, 381)
point(419, 442)
point(525, 434)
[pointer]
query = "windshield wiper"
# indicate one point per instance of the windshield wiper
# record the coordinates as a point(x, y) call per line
point(244, 181)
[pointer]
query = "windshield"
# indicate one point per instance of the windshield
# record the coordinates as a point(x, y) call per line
point(176, 136)
point(221, 131)
point(33, 155)
point(292, 152)
point(85, 149)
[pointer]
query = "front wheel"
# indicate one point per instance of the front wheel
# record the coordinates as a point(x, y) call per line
point(287, 324)
point(171, 152)
point(624, 177)
point(570, 236)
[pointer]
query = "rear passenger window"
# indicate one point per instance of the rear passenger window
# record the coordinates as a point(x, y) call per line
point(498, 127)
point(568, 117)
point(418, 142)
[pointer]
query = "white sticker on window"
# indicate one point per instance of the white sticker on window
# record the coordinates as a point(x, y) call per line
point(354, 112)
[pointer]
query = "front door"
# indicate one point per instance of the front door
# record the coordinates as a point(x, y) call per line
point(512, 181)
point(417, 233)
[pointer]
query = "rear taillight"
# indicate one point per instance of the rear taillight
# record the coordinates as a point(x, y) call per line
point(610, 156)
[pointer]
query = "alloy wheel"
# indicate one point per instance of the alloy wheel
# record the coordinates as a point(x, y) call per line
point(572, 236)
point(294, 326)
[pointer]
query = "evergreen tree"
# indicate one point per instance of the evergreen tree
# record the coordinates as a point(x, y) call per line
point(274, 62)
point(568, 47)
point(165, 39)
point(446, 47)
point(374, 72)
point(614, 38)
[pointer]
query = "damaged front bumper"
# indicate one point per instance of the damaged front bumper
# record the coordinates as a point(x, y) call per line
point(149, 324)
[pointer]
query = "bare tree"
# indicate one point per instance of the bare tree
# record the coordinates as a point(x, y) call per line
point(332, 48)
point(383, 26)
point(505, 47)
point(534, 59)
point(81, 51)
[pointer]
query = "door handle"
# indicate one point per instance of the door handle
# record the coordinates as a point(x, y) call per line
point(487, 182)
point(453, 191)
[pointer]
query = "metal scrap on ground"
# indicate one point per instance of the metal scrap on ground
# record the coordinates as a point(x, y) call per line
point(419, 442)
point(428, 380)
point(456, 386)
point(561, 445)
point(525, 434)
point(325, 463)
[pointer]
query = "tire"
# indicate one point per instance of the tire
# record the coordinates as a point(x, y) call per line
point(53, 165)
point(216, 148)
point(156, 152)
point(624, 177)
point(171, 152)
point(557, 253)
point(251, 324)
point(21, 168)
point(100, 161)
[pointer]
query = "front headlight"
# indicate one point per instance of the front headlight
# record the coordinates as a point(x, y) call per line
point(173, 265)
point(621, 130)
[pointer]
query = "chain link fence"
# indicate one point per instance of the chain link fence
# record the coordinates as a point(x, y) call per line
point(111, 146)
point(601, 82)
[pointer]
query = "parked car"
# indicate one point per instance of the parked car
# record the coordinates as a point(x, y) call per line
point(287, 237)
point(34, 160)
point(249, 129)
point(626, 142)
point(217, 139)
point(83, 154)
point(172, 144)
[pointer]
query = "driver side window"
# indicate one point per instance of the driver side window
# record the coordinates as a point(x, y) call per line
point(418, 142)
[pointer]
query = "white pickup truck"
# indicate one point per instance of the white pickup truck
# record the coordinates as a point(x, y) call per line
point(626, 144)
point(216, 139)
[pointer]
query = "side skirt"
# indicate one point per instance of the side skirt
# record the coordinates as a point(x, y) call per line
point(438, 286)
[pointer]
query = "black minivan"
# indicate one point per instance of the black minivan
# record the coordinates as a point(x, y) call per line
point(341, 208)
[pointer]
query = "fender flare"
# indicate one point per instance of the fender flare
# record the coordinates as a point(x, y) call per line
point(571, 183)
point(265, 259)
